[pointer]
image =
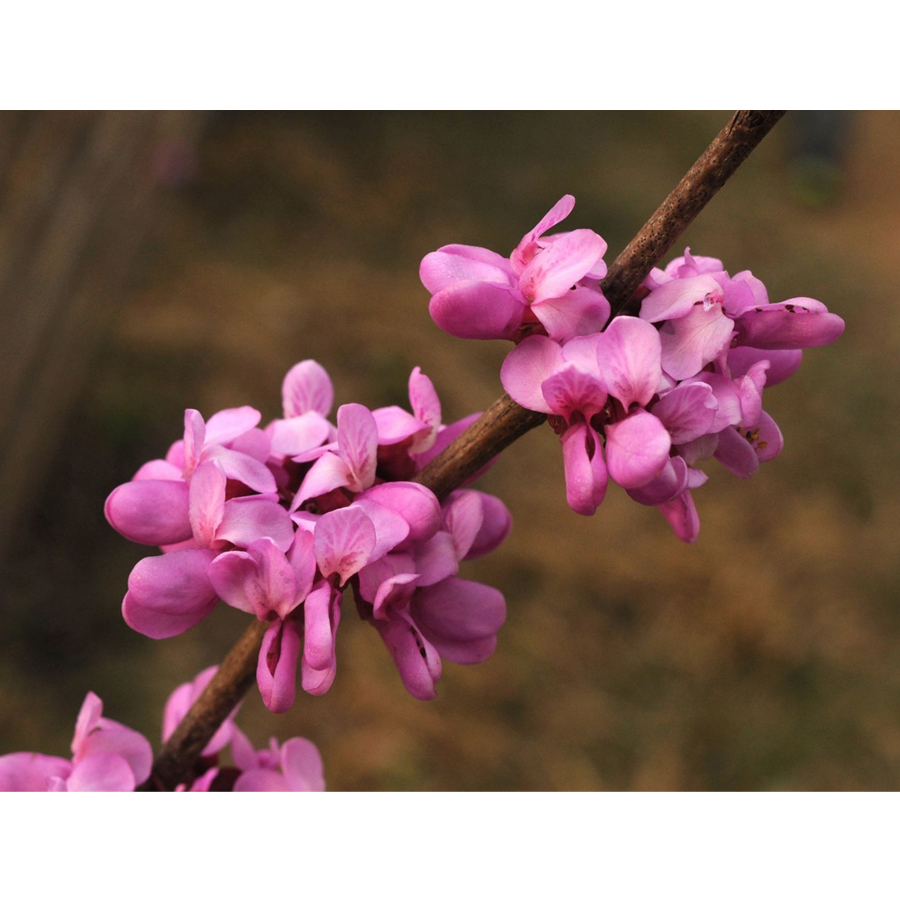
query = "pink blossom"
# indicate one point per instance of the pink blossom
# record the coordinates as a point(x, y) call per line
point(596, 389)
point(106, 756)
point(285, 555)
point(154, 507)
point(422, 611)
point(295, 765)
point(169, 594)
point(705, 312)
point(549, 284)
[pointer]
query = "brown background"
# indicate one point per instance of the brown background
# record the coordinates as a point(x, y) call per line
point(766, 656)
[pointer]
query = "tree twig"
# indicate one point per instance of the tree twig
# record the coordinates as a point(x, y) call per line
point(501, 424)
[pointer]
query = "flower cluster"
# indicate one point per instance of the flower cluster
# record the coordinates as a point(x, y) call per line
point(108, 756)
point(648, 398)
point(277, 522)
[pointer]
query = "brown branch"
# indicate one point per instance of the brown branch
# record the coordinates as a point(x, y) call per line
point(501, 424)
point(731, 146)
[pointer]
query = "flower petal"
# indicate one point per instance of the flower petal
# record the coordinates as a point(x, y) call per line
point(101, 772)
point(459, 610)
point(247, 519)
point(301, 763)
point(306, 388)
point(276, 577)
point(125, 743)
point(194, 439)
point(88, 720)
point(628, 354)
point(525, 369)
point(395, 425)
point(448, 266)
point(436, 559)
point(245, 469)
point(358, 444)
point(637, 448)
point(462, 518)
point(677, 298)
point(168, 594)
point(750, 388)
point(344, 541)
point(495, 526)
point(478, 310)
point(30, 772)
point(782, 363)
point(580, 311)
point(736, 453)
point(328, 472)
point(207, 502)
point(694, 340)
point(681, 514)
point(391, 528)
point(318, 650)
point(426, 406)
point(688, 411)
point(416, 659)
point(276, 671)
point(571, 390)
point(585, 469)
point(524, 253)
point(666, 486)
point(229, 424)
point(254, 443)
point(303, 561)
point(319, 663)
point(150, 512)
point(791, 325)
point(414, 502)
point(235, 578)
point(158, 470)
point(260, 780)
point(291, 437)
point(766, 438)
point(559, 266)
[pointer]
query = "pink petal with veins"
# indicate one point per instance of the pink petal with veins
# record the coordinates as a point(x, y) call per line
point(306, 388)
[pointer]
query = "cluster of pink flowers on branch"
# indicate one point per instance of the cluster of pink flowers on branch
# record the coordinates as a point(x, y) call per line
point(278, 522)
point(648, 398)
point(108, 756)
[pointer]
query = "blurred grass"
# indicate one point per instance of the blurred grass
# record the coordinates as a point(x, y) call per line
point(764, 657)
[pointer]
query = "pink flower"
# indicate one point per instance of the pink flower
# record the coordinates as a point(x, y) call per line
point(550, 284)
point(169, 594)
point(350, 463)
point(272, 585)
point(106, 756)
point(422, 611)
point(596, 390)
point(154, 507)
point(295, 765)
point(404, 437)
point(705, 312)
point(286, 554)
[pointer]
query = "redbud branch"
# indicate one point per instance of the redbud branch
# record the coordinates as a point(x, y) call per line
point(502, 423)
point(505, 421)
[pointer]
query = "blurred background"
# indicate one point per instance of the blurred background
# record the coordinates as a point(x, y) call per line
point(150, 262)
